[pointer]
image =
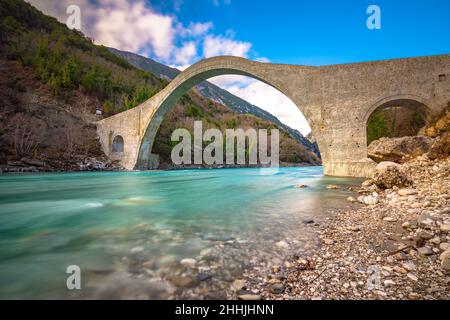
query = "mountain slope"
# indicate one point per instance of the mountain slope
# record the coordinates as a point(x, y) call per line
point(213, 92)
point(53, 80)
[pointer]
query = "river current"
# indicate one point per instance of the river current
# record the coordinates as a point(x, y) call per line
point(128, 231)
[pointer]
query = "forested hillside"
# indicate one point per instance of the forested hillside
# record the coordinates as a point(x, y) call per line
point(53, 80)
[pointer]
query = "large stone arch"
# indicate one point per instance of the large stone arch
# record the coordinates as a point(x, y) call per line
point(336, 100)
point(208, 68)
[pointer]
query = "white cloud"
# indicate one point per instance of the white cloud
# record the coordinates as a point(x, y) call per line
point(180, 67)
point(57, 9)
point(194, 29)
point(122, 24)
point(217, 2)
point(262, 59)
point(135, 26)
point(200, 28)
point(266, 97)
point(220, 45)
point(186, 53)
point(177, 4)
point(227, 81)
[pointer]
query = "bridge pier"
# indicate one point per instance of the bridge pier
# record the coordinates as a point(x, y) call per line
point(357, 169)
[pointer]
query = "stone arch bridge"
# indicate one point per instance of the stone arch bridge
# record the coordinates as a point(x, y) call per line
point(337, 101)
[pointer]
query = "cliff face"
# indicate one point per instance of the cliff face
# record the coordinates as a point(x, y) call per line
point(54, 81)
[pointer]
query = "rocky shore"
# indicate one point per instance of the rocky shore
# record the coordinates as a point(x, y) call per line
point(391, 241)
point(394, 243)
point(77, 163)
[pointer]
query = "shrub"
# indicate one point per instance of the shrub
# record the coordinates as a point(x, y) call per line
point(376, 127)
point(193, 111)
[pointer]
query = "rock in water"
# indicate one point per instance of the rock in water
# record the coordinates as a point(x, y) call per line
point(188, 262)
point(137, 249)
point(183, 281)
point(307, 221)
point(282, 244)
point(396, 149)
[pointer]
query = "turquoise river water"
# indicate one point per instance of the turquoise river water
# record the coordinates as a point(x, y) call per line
point(137, 226)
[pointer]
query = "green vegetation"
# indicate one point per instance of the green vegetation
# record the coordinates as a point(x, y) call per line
point(377, 128)
point(394, 122)
point(232, 123)
point(85, 75)
point(193, 111)
point(66, 60)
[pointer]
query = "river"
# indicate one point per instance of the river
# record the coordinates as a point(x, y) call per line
point(128, 231)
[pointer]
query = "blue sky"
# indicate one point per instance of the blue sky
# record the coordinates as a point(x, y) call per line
point(326, 32)
point(181, 32)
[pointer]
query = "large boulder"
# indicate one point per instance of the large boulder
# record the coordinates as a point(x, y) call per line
point(389, 175)
point(441, 126)
point(441, 147)
point(399, 149)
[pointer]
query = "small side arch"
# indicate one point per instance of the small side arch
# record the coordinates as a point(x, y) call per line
point(117, 145)
point(391, 100)
point(412, 121)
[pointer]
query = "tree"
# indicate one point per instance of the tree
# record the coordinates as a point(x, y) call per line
point(142, 94)
point(376, 127)
point(54, 83)
point(70, 74)
point(108, 106)
point(128, 103)
point(90, 79)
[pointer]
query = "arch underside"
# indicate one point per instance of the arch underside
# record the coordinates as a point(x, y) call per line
point(409, 101)
point(175, 90)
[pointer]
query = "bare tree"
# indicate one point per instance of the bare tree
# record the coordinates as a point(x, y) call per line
point(25, 135)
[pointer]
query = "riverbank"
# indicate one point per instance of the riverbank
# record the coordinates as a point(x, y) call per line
point(262, 245)
point(77, 164)
point(391, 244)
